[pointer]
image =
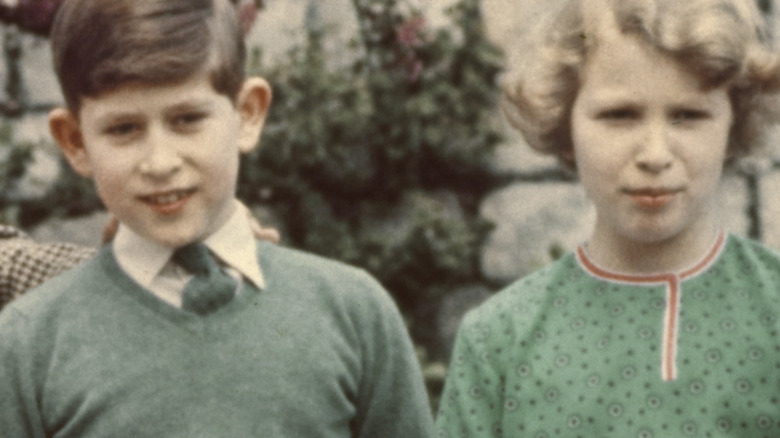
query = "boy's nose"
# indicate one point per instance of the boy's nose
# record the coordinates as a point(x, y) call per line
point(654, 153)
point(161, 159)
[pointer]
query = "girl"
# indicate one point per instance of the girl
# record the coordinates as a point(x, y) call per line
point(660, 325)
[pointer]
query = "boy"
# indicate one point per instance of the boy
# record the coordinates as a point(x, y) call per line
point(660, 325)
point(185, 325)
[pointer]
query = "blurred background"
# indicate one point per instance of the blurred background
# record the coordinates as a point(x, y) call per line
point(384, 148)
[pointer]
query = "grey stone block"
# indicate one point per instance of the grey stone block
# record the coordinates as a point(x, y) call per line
point(770, 211)
point(40, 82)
point(531, 222)
point(731, 205)
point(514, 156)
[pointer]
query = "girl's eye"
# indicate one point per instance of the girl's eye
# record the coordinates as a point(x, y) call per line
point(618, 114)
point(688, 115)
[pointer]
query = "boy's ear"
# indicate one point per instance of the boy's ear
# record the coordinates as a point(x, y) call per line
point(567, 155)
point(66, 131)
point(254, 98)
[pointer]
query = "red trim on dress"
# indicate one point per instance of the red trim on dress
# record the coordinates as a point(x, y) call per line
point(673, 289)
point(671, 326)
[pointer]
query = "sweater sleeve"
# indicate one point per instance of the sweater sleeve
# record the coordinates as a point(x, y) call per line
point(392, 399)
point(472, 402)
point(20, 410)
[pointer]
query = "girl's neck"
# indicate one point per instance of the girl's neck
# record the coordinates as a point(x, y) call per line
point(618, 253)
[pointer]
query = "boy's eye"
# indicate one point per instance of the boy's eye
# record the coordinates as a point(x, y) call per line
point(122, 129)
point(187, 120)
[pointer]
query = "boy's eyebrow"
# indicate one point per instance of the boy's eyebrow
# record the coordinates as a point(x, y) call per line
point(187, 104)
point(111, 116)
point(191, 103)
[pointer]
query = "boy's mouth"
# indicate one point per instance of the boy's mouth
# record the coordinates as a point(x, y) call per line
point(167, 202)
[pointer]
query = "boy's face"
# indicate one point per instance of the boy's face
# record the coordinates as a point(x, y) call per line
point(649, 144)
point(165, 157)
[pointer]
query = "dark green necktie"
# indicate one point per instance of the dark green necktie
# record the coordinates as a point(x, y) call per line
point(210, 288)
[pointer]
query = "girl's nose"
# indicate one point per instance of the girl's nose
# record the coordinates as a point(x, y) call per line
point(654, 154)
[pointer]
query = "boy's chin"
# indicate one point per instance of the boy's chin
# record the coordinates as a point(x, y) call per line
point(171, 239)
point(174, 231)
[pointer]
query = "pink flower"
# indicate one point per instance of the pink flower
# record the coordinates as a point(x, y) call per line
point(247, 13)
point(411, 33)
point(410, 36)
point(413, 70)
point(34, 15)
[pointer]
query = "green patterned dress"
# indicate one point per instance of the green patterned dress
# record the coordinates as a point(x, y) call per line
point(574, 350)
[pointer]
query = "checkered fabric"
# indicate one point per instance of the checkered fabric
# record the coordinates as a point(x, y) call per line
point(25, 264)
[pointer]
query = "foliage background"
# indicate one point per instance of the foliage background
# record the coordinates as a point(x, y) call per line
point(403, 130)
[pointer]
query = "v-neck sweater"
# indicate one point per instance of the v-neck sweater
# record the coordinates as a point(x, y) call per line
point(321, 351)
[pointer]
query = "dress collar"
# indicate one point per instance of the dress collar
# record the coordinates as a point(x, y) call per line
point(697, 268)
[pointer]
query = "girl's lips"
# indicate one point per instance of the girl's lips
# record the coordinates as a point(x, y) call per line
point(653, 198)
point(653, 201)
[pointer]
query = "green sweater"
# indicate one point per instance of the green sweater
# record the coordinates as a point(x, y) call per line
point(320, 352)
point(575, 351)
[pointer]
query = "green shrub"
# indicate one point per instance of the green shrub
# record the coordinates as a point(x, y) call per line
point(377, 154)
point(14, 159)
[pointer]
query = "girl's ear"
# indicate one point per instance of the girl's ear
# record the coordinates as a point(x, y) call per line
point(254, 98)
point(65, 129)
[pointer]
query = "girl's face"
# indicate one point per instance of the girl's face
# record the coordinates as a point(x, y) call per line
point(649, 143)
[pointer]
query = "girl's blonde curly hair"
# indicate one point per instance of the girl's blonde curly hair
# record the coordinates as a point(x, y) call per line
point(723, 42)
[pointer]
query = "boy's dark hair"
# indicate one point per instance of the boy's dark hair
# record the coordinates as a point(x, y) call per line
point(99, 45)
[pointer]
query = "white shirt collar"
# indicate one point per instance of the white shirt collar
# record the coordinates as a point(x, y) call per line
point(233, 243)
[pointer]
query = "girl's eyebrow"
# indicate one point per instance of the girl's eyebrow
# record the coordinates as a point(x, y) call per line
point(611, 100)
point(611, 93)
point(617, 96)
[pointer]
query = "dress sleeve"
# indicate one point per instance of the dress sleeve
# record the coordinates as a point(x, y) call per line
point(472, 401)
point(392, 399)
